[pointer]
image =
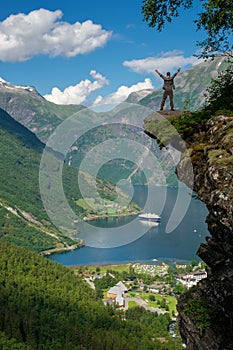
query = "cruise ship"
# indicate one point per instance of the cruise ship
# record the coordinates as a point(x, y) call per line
point(149, 216)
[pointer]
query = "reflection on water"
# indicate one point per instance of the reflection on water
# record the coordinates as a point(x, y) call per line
point(149, 223)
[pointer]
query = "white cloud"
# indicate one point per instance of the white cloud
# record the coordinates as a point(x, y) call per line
point(168, 61)
point(23, 36)
point(78, 93)
point(122, 93)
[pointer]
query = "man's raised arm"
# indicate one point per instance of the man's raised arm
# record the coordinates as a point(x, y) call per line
point(174, 75)
point(161, 75)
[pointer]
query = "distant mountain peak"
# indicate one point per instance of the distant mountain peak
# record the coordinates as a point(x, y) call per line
point(6, 85)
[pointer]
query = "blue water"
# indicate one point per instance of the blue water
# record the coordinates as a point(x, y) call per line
point(180, 244)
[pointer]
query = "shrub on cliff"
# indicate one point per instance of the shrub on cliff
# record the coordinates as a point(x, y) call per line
point(219, 93)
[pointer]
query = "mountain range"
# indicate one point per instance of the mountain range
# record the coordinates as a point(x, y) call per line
point(190, 87)
point(28, 107)
point(42, 117)
point(25, 113)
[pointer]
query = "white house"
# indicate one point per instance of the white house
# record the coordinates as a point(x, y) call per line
point(117, 293)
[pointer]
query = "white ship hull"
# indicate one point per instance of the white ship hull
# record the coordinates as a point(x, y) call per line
point(149, 217)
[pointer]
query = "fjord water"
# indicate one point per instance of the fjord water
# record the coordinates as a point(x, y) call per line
point(180, 244)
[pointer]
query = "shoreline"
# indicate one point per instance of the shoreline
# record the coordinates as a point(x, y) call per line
point(96, 217)
point(154, 261)
point(62, 249)
point(102, 265)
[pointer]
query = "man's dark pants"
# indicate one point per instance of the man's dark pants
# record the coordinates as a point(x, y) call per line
point(165, 95)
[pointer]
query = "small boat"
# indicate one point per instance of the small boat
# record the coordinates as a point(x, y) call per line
point(149, 216)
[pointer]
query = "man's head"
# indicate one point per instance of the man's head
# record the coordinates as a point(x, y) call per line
point(168, 74)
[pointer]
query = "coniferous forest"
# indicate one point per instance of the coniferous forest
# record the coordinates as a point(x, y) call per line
point(44, 305)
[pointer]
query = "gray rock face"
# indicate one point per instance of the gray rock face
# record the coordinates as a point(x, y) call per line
point(206, 312)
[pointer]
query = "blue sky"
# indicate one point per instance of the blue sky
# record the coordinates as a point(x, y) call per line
point(90, 52)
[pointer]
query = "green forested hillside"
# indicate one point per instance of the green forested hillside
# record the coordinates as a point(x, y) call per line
point(46, 306)
point(20, 156)
point(23, 219)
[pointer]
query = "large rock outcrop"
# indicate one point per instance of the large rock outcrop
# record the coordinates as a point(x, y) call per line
point(206, 311)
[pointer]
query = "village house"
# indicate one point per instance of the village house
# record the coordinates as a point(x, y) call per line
point(192, 278)
point(116, 294)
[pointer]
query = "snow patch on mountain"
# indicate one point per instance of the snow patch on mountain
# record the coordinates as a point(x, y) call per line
point(5, 84)
point(138, 95)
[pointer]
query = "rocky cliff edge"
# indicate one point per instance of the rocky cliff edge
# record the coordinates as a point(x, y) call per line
point(206, 311)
